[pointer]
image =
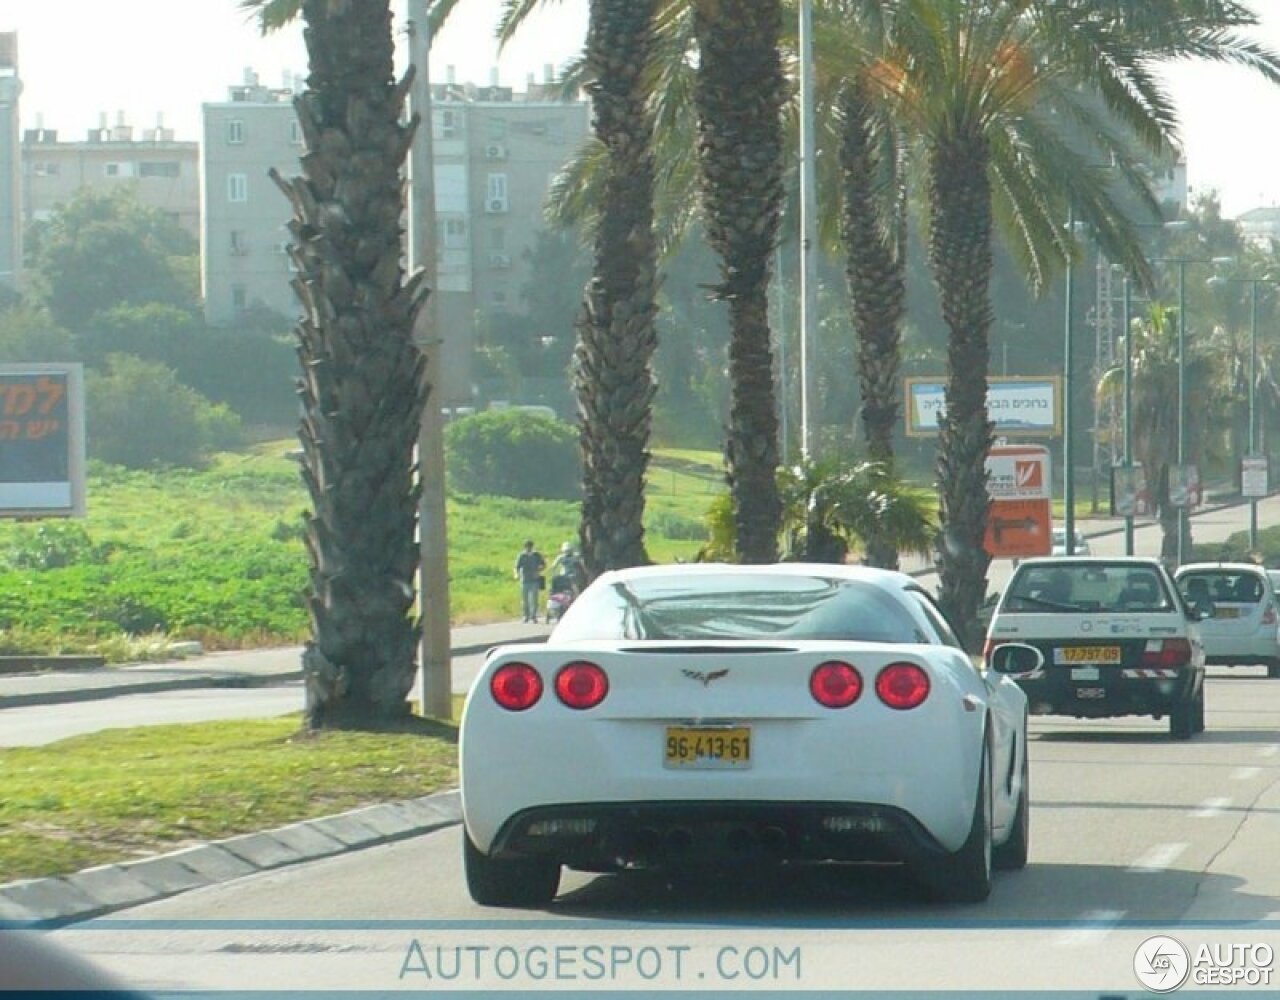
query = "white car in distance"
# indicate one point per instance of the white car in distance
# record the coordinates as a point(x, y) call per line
point(702, 716)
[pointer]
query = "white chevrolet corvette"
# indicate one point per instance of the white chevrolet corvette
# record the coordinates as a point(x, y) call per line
point(705, 715)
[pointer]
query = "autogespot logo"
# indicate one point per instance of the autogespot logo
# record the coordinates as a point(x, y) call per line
point(1161, 964)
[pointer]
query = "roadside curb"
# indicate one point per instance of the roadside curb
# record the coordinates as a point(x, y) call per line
point(45, 903)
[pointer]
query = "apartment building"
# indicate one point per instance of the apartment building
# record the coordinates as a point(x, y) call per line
point(10, 163)
point(495, 153)
point(162, 171)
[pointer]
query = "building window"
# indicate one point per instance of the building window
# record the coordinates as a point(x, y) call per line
point(497, 238)
point(295, 132)
point(119, 169)
point(448, 124)
point(235, 132)
point(237, 243)
point(237, 187)
point(160, 168)
point(498, 298)
point(45, 169)
point(453, 234)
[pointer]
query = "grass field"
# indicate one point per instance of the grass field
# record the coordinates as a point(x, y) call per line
point(217, 555)
point(120, 794)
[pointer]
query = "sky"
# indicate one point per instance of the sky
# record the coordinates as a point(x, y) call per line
point(81, 59)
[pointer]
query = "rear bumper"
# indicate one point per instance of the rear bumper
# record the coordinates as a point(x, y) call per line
point(1115, 692)
point(610, 836)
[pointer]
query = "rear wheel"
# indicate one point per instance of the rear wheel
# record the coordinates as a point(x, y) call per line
point(1012, 854)
point(1199, 714)
point(509, 881)
point(1182, 719)
point(1273, 669)
point(965, 876)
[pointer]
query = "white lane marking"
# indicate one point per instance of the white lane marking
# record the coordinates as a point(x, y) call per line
point(1269, 751)
point(1210, 808)
point(1160, 857)
point(1089, 928)
point(1245, 773)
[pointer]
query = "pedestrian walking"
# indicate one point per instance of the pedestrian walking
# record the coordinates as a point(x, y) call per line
point(530, 567)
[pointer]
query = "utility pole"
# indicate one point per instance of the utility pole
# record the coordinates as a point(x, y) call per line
point(808, 231)
point(433, 535)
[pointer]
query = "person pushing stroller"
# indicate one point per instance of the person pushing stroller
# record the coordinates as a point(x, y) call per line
point(566, 581)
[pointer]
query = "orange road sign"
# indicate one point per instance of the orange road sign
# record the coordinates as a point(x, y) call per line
point(1017, 529)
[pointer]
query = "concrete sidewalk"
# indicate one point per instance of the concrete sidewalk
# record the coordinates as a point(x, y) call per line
point(248, 668)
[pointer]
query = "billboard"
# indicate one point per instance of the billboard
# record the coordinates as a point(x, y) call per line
point(1019, 406)
point(41, 440)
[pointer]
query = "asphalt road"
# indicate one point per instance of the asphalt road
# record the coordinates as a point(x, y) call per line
point(1131, 834)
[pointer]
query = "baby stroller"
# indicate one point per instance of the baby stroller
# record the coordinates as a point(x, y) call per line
point(560, 596)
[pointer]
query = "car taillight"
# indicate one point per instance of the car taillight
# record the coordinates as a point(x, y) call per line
point(581, 685)
point(1269, 616)
point(902, 685)
point(516, 686)
point(835, 684)
point(1166, 653)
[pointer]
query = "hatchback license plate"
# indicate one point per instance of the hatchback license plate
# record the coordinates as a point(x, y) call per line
point(1086, 654)
point(708, 747)
point(1226, 612)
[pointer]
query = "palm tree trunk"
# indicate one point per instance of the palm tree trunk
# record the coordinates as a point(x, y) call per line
point(362, 387)
point(960, 256)
point(739, 96)
point(875, 275)
point(613, 373)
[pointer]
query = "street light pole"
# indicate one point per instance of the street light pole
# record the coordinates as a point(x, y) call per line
point(1068, 437)
point(1128, 409)
point(1253, 420)
point(1182, 394)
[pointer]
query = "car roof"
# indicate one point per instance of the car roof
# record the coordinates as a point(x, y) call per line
point(1230, 567)
point(885, 578)
point(1060, 561)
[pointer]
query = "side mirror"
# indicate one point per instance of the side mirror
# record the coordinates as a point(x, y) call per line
point(1015, 658)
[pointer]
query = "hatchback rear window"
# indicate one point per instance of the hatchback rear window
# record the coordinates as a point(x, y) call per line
point(1069, 587)
point(1222, 587)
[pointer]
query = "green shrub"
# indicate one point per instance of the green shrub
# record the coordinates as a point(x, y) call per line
point(514, 453)
point(140, 415)
point(51, 545)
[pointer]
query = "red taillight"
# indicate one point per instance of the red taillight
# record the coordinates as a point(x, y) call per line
point(835, 684)
point(516, 686)
point(1269, 616)
point(902, 685)
point(1166, 653)
point(581, 685)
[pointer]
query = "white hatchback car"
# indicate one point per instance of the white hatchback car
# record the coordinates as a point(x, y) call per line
point(1242, 623)
point(1115, 635)
point(688, 717)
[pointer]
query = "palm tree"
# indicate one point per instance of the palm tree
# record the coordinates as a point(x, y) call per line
point(1154, 396)
point(739, 94)
point(361, 388)
point(612, 367)
point(988, 88)
point(612, 371)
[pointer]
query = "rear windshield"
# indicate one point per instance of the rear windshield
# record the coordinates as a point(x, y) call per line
point(698, 607)
point(1096, 586)
point(1222, 586)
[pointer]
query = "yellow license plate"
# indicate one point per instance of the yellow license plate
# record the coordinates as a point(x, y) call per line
point(707, 747)
point(1226, 612)
point(1089, 654)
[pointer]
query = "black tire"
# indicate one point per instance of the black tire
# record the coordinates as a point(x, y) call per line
point(1182, 719)
point(509, 881)
point(965, 876)
point(1013, 853)
point(1199, 713)
point(1273, 670)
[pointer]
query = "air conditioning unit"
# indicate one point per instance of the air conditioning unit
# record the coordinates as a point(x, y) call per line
point(495, 151)
point(495, 206)
point(500, 261)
